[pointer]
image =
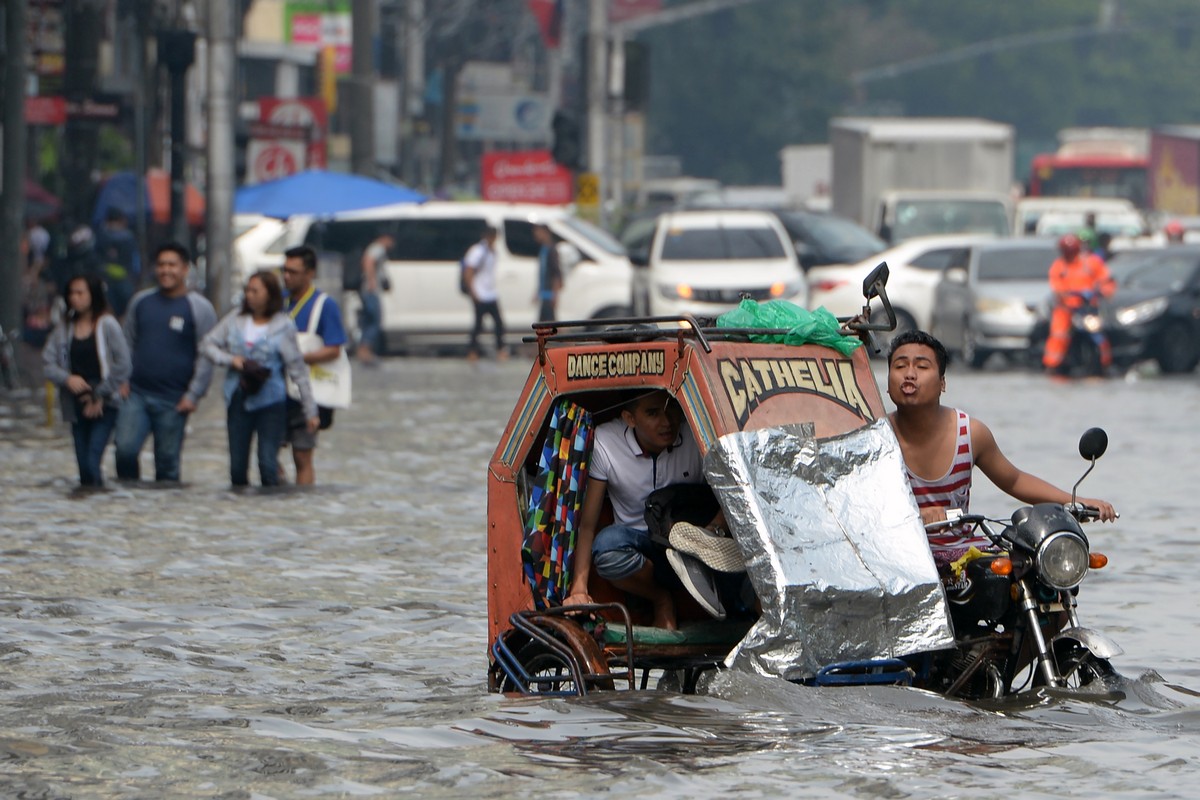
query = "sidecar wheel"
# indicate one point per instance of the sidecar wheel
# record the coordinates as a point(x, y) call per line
point(553, 669)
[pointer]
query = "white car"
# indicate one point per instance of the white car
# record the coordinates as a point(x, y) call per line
point(1125, 223)
point(915, 268)
point(703, 262)
point(1030, 209)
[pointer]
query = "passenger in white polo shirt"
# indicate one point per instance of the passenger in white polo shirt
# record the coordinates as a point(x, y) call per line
point(646, 448)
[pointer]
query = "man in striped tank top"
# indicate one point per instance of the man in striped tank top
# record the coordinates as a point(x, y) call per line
point(941, 445)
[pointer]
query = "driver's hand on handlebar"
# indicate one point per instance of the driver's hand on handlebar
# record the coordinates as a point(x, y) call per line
point(933, 514)
point(1107, 512)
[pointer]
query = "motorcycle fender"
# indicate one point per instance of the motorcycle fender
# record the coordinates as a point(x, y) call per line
point(1097, 643)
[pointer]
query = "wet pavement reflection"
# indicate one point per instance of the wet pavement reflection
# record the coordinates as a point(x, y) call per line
point(198, 641)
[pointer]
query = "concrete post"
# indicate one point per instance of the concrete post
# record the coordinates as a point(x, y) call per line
point(221, 156)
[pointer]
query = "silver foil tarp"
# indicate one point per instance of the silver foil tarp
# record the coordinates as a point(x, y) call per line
point(835, 549)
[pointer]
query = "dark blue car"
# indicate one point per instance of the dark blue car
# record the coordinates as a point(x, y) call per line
point(1155, 311)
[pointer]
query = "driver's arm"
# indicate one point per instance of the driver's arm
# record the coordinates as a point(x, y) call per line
point(1019, 484)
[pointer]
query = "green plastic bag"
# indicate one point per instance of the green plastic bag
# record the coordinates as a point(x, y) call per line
point(801, 325)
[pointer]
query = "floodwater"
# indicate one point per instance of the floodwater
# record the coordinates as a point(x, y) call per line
point(197, 642)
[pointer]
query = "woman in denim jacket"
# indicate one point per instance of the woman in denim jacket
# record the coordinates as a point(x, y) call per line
point(257, 342)
point(87, 358)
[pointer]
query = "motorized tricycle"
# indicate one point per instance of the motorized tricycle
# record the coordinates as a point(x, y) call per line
point(804, 464)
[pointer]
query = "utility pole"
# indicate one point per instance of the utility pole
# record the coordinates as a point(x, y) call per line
point(221, 157)
point(362, 84)
point(11, 264)
point(177, 50)
point(597, 97)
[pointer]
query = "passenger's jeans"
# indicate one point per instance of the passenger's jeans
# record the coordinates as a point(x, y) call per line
point(91, 437)
point(371, 322)
point(142, 415)
point(487, 308)
point(619, 551)
point(269, 424)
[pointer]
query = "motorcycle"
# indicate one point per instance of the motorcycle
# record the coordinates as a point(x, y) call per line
point(1015, 611)
point(1083, 357)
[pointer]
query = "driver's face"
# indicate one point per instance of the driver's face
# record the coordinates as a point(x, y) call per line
point(913, 377)
point(655, 421)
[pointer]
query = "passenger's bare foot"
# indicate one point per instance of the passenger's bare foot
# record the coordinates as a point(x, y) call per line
point(664, 612)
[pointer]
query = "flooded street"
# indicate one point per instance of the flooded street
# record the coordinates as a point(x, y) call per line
point(197, 642)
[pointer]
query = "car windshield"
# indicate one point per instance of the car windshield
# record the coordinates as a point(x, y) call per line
point(596, 236)
point(721, 244)
point(931, 217)
point(839, 239)
point(1015, 264)
point(1167, 272)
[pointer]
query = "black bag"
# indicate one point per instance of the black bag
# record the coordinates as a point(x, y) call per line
point(679, 502)
point(464, 285)
point(254, 375)
point(326, 416)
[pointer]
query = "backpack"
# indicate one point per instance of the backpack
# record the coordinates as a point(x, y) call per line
point(679, 502)
point(464, 285)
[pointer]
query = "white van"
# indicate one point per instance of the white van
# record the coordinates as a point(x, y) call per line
point(703, 262)
point(424, 305)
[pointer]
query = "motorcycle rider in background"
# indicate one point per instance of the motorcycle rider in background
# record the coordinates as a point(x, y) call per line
point(1078, 278)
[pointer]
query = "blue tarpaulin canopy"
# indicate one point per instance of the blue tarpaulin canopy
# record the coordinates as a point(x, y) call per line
point(318, 192)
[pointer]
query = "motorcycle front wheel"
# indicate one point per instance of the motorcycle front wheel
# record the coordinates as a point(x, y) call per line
point(1079, 667)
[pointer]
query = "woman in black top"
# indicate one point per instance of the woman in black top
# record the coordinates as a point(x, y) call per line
point(88, 359)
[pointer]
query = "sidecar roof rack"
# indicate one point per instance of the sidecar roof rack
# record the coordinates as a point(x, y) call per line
point(619, 330)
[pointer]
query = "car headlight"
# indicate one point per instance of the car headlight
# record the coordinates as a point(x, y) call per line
point(676, 291)
point(1062, 560)
point(1142, 312)
point(786, 289)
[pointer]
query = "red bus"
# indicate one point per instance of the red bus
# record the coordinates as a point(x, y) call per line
point(1080, 175)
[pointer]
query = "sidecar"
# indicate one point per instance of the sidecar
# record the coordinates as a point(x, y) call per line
point(800, 456)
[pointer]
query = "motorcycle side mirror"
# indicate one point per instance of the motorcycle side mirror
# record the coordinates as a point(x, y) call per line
point(875, 281)
point(1093, 443)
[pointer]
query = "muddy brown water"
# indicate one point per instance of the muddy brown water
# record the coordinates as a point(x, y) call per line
point(196, 642)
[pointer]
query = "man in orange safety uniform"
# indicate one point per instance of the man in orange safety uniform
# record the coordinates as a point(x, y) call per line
point(1077, 279)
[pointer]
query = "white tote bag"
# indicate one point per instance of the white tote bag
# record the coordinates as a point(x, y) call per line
point(330, 380)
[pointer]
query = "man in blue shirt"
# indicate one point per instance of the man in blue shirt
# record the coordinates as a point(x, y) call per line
point(164, 327)
point(549, 273)
point(299, 272)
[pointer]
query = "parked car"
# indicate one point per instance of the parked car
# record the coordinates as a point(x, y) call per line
point(1155, 311)
point(703, 262)
point(915, 269)
point(424, 305)
point(991, 305)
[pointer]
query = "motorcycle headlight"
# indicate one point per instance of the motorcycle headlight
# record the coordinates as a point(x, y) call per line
point(1092, 323)
point(1142, 312)
point(1062, 560)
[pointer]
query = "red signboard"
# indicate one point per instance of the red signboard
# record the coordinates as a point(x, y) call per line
point(529, 176)
point(307, 113)
point(45, 110)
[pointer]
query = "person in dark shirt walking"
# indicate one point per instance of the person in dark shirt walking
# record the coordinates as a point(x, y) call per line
point(164, 327)
point(549, 273)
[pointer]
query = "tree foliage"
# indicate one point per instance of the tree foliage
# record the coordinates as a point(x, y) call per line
point(730, 89)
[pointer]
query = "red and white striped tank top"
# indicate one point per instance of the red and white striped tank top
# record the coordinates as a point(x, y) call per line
point(952, 490)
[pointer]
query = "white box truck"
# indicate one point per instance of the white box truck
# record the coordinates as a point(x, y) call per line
point(908, 176)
